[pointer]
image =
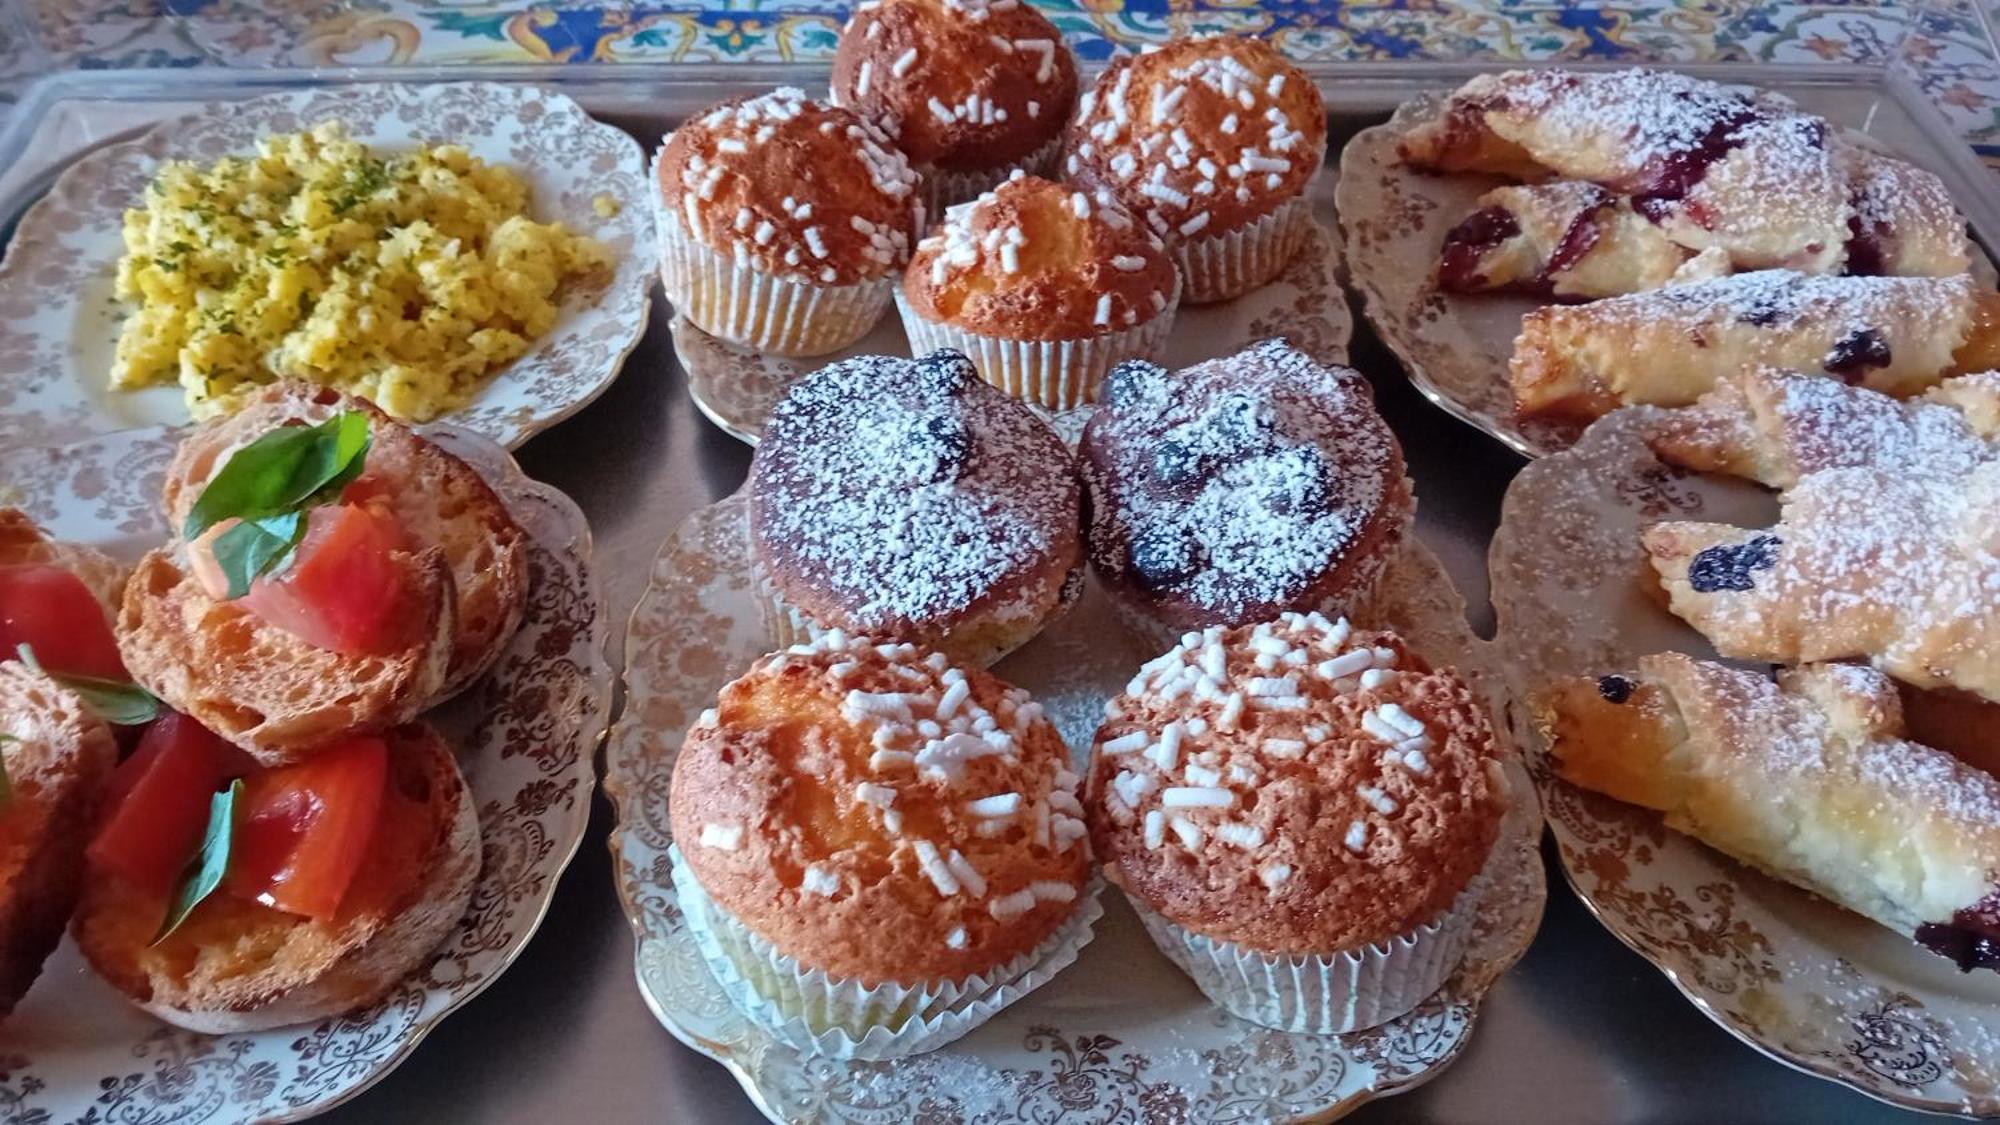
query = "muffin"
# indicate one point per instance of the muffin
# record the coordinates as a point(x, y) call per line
point(971, 89)
point(907, 500)
point(1211, 142)
point(1239, 488)
point(1296, 809)
point(1044, 287)
point(783, 223)
point(878, 850)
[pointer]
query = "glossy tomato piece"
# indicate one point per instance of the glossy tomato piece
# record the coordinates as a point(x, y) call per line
point(51, 610)
point(305, 829)
point(343, 589)
point(156, 803)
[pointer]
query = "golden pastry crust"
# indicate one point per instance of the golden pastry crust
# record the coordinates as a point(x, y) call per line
point(1568, 240)
point(908, 499)
point(1201, 137)
point(959, 85)
point(1035, 260)
point(1666, 347)
point(1904, 222)
point(798, 189)
point(814, 808)
point(1296, 787)
point(1241, 487)
point(1809, 778)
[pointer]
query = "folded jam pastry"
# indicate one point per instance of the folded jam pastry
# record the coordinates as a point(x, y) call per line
point(1568, 240)
point(1741, 173)
point(1898, 335)
point(1809, 778)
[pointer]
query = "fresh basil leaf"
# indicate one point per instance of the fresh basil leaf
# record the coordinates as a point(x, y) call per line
point(119, 702)
point(285, 470)
point(210, 864)
point(253, 548)
point(6, 782)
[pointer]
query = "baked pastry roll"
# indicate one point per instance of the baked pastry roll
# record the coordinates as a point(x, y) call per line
point(1898, 335)
point(1566, 240)
point(1904, 223)
point(1808, 778)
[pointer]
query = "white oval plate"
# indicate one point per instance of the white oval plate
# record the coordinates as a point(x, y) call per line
point(1121, 1036)
point(737, 389)
point(1807, 983)
point(74, 1050)
point(62, 322)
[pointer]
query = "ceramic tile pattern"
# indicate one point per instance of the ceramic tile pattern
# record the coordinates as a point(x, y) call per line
point(1947, 44)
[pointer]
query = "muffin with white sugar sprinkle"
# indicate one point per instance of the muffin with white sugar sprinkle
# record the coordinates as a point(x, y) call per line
point(783, 223)
point(1297, 809)
point(1211, 142)
point(1045, 287)
point(878, 850)
point(971, 89)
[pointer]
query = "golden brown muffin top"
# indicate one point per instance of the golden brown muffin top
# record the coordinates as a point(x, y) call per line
point(961, 85)
point(1296, 787)
point(793, 188)
point(1201, 137)
point(1035, 260)
point(880, 815)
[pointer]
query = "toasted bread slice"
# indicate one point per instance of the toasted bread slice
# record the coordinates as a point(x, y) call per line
point(235, 965)
point(58, 755)
point(258, 685)
point(21, 541)
point(439, 500)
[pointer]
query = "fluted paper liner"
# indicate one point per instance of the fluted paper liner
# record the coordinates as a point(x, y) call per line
point(1051, 374)
point(807, 1010)
point(947, 189)
point(1228, 265)
point(763, 312)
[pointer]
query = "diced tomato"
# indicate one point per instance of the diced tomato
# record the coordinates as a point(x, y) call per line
point(51, 610)
point(156, 803)
point(305, 829)
point(343, 589)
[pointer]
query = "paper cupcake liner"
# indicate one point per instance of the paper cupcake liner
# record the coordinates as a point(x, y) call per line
point(1051, 374)
point(946, 189)
point(760, 311)
point(1328, 994)
point(789, 625)
point(1229, 265)
point(807, 1010)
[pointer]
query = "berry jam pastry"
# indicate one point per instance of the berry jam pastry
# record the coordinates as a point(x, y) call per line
point(1900, 335)
point(882, 849)
point(1809, 778)
point(783, 222)
point(1211, 142)
point(971, 90)
point(1568, 241)
point(1044, 287)
point(1241, 487)
point(1884, 549)
point(1296, 808)
point(1744, 174)
point(908, 500)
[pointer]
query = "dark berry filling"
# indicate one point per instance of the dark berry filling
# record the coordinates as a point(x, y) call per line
point(1730, 566)
point(1467, 245)
point(1161, 559)
point(1616, 689)
point(1857, 353)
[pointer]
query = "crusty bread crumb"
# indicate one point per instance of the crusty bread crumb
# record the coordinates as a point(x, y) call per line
point(22, 543)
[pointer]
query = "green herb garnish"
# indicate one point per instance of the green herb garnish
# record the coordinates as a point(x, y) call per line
point(119, 702)
point(210, 864)
point(270, 484)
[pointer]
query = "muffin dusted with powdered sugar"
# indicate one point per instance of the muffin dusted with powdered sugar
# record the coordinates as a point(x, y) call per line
point(1211, 141)
point(971, 89)
point(1241, 487)
point(907, 499)
point(883, 847)
point(783, 222)
point(1299, 793)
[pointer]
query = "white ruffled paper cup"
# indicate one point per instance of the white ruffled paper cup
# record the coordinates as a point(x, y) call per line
point(1050, 374)
point(736, 302)
point(809, 1011)
point(1326, 994)
point(947, 189)
point(1228, 265)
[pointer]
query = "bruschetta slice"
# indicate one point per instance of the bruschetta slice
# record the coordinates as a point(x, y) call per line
point(57, 598)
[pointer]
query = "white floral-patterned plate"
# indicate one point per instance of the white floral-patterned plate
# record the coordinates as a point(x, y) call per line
point(736, 388)
point(59, 323)
point(76, 1051)
point(1807, 983)
point(1121, 1036)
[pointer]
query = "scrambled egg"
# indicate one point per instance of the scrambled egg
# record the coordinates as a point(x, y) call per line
point(406, 279)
